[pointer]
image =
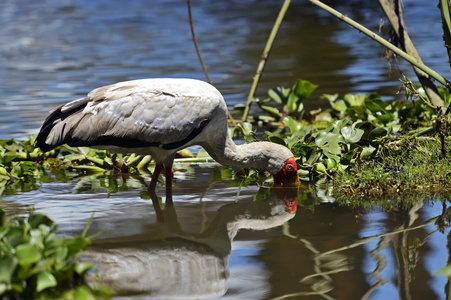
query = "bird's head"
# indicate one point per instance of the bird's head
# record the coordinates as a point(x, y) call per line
point(288, 176)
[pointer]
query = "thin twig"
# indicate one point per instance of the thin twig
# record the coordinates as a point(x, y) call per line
point(195, 42)
point(416, 93)
point(191, 23)
point(265, 56)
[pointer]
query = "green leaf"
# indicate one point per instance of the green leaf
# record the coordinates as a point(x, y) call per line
point(445, 271)
point(367, 152)
point(76, 244)
point(280, 95)
point(45, 280)
point(17, 171)
point(354, 99)
point(278, 140)
point(7, 266)
point(303, 89)
point(90, 169)
point(10, 156)
point(83, 293)
point(329, 142)
point(202, 153)
point(320, 168)
point(292, 124)
point(339, 105)
point(27, 254)
point(34, 220)
point(352, 135)
point(375, 134)
point(84, 266)
point(272, 111)
point(376, 106)
point(385, 118)
point(293, 102)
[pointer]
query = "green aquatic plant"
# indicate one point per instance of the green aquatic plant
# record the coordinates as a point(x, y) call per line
point(36, 264)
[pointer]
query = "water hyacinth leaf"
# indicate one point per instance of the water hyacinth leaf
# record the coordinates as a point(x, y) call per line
point(9, 156)
point(292, 124)
point(246, 128)
point(83, 266)
point(376, 105)
point(34, 220)
point(375, 134)
point(312, 156)
point(356, 113)
point(72, 157)
point(95, 160)
point(227, 173)
point(17, 171)
point(202, 153)
point(146, 161)
point(292, 104)
point(27, 254)
point(133, 160)
point(90, 169)
point(277, 140)
point(293, 139)
point(352, 135)
point(445, 271)
point(85, 150)
point(303, 88)
point(348, 157)
point(385, 118)
point(336, 104)
point(280, 94)
point(336, 126)
point(7, 266)
point(83, 293)
point(45, 280)
point(76, 244)
point(329, 142)
point(332, 160)
point(355, 99)
point(367, 153)
point(272, 111)
point(320, 168)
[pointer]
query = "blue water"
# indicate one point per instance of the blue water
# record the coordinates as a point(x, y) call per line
point(54, 51)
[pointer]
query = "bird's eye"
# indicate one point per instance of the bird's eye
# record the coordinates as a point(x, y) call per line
point(289, 168)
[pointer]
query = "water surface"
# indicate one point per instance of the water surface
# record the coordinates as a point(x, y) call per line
point(212, 243)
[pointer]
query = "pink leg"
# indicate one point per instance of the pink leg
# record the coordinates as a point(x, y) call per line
point(155, 175)
point(168, 174)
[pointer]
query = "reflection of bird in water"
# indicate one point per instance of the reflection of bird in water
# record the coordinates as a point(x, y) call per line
point(169, 262)
point(160, 117)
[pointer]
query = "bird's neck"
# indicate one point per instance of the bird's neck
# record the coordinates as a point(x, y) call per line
point(242, 156)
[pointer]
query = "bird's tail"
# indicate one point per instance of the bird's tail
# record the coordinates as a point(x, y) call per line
point(57, 127)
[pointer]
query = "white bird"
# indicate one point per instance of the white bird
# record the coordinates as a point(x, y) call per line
point(159, 117)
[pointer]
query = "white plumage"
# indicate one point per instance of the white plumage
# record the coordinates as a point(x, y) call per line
point(159, 117)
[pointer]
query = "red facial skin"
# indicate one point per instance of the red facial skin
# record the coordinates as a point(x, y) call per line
point(288, 175)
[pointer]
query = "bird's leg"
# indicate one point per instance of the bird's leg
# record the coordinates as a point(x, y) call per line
point(155, 175)
point(156, 206)
point(168, 175)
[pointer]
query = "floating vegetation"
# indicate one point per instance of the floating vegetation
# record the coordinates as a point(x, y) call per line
point(36, 264)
